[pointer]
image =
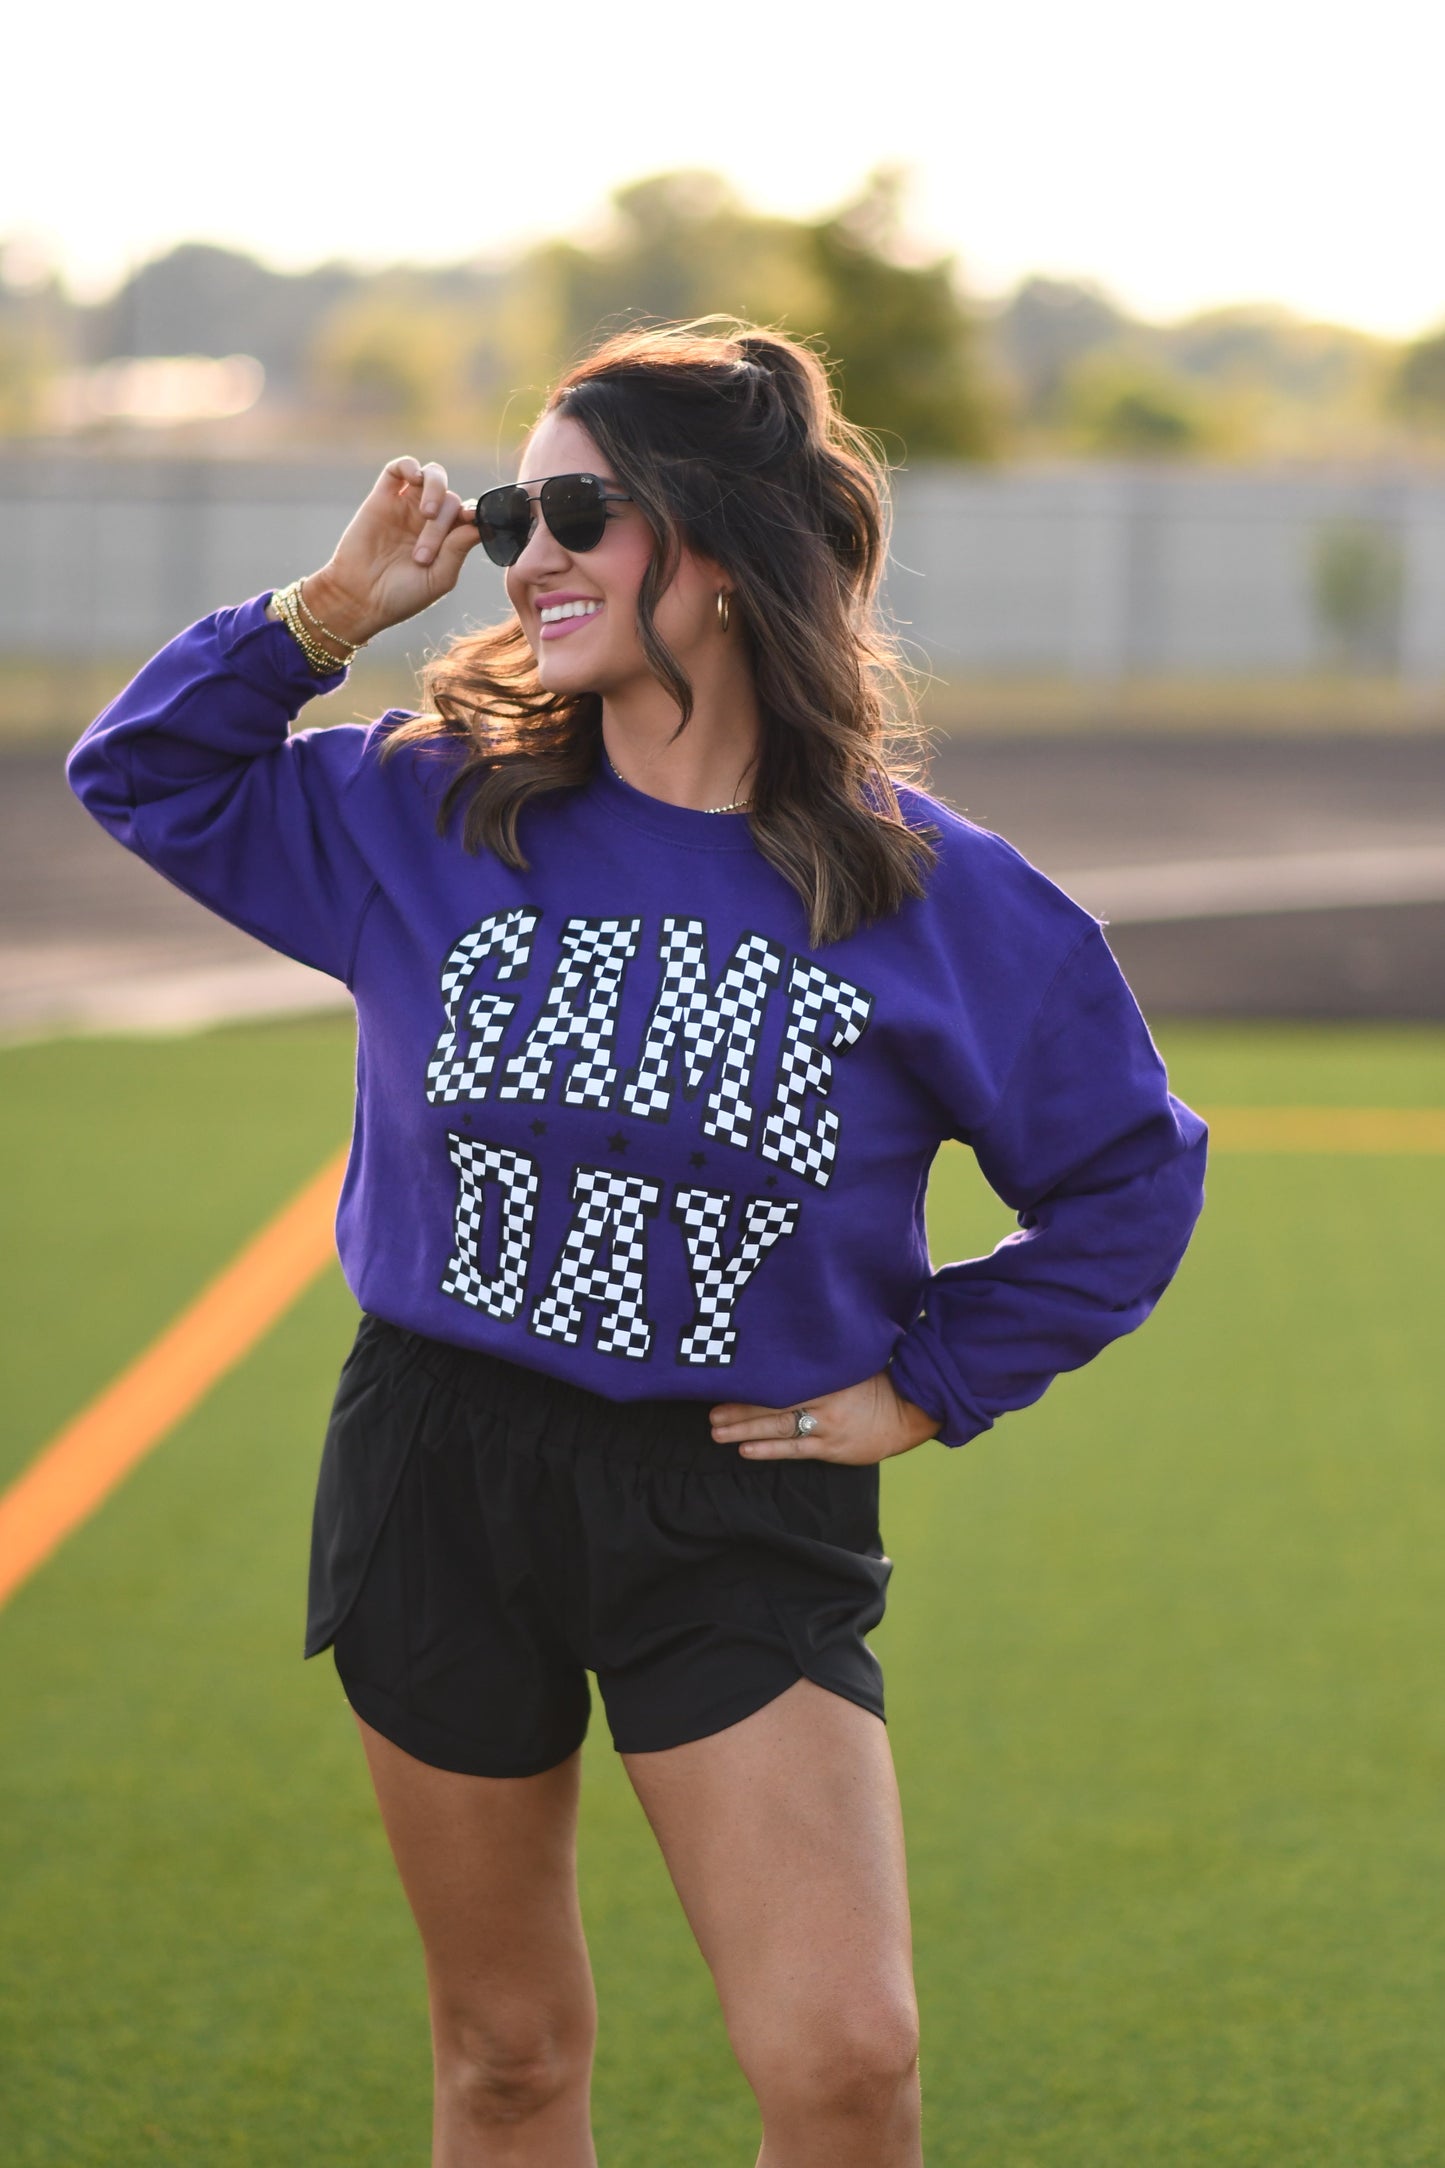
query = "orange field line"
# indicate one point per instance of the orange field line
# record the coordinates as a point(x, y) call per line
point(1418, 1130)
point(76, 1472)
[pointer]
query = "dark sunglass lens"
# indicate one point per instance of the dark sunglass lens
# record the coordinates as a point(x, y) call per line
point(573, 507)
point(504, 521)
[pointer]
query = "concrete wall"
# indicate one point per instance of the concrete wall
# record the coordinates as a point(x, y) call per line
point(1090, 572)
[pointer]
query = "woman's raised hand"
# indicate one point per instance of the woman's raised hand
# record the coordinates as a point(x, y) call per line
point(403, 549)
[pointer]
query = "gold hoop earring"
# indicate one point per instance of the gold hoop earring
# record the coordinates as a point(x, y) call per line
point(724, 608)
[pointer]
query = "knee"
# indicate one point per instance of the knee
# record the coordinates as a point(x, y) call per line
point(851, 2062)
point(499, 2074)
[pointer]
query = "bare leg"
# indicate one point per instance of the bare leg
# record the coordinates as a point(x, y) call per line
point(489, 1865)
point(784, 1840)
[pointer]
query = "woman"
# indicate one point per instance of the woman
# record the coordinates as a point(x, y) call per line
point(667, 997)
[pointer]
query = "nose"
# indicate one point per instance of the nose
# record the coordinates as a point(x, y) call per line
point(543, 554)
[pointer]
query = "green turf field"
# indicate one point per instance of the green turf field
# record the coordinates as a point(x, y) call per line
point(1163, 1660)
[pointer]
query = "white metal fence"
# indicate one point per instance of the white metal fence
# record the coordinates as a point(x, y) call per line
point(1090, 572)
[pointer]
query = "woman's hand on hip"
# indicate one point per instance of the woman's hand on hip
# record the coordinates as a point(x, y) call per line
point(860, 1424)
point(403, 549)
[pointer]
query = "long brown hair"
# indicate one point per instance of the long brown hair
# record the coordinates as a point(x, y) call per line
point(729, 440)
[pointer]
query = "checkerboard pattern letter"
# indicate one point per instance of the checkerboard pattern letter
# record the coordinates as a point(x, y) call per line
point(718, 1281)
point(595, 953)
point(805, 1065)
point(452, 1073)
point(517, 1178)
point(692, 1021)
point(603, 1260)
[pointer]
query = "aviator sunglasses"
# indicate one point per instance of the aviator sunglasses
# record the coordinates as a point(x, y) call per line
point(574, 507)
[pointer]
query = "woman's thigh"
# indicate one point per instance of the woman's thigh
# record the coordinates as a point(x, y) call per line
point(489, 1866)
point(784, 1838)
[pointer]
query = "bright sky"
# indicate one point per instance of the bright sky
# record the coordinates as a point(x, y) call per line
point(1252, 150)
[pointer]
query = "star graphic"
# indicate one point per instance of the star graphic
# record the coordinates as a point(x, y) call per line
point(617, 1142)
point(539, 1129)
point(697, 1159)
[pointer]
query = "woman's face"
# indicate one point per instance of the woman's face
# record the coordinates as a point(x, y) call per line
point(599, 651)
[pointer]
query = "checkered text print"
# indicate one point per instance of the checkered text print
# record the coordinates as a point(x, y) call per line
point(456, 1074)
point(603, 1260)
point(718, 1281)
point(806, 1065)
point(595, 953)
point(517, 1178)
point(691, 1020)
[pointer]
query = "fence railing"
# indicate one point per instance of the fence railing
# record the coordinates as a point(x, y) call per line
point(1092, 573)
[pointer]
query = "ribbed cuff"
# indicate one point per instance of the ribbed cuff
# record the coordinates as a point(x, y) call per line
point(262, 652)
point(955, 1421)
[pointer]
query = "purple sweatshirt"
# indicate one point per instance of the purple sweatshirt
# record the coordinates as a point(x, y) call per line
point(617, 1119)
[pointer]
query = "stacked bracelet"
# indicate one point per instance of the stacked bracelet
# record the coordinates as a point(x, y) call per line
point(291, 608)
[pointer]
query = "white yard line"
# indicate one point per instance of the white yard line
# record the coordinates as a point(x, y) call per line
point(1193, 888)
point(167, 1001)
point(47, 990)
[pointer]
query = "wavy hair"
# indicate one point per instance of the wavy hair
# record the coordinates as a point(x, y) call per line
point(729, 440)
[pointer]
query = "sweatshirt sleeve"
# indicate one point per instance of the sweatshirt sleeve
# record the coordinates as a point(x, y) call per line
point(1105, 1170)
point(192, 768)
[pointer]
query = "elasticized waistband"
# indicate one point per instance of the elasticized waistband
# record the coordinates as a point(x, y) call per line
point(550, 1413)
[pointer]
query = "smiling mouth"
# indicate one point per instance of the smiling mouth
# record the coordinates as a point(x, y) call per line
point(561, 617)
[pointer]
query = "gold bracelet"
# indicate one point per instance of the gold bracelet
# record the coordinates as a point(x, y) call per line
point(354, 645)
point(322, 663)
point(286, 601)
point(294, 606)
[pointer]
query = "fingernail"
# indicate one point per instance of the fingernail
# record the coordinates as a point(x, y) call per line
point(422, 553)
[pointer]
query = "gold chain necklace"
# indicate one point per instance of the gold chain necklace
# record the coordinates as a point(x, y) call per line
point(738, 805)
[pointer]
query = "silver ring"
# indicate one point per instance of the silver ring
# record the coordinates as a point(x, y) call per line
point(804, 1424)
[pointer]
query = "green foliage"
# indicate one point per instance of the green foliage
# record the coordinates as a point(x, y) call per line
point(26, 368)
point(899, 334)
point(32, 351)
point(1127, 406)
point(462, 354)
point(683, 246)
point(1045, 327)
point(1417, 386)
point(1250, 381)
point(1358, 578)
point(905, 345)
point(395, 358)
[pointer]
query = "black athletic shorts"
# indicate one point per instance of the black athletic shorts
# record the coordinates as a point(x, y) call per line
point(486, 1535)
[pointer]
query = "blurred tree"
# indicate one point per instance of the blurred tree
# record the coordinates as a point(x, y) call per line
point(1046, 326)
point(36, 331)
point(465, 352)
point(1417, 386)
point(898, 333)
point(400, 358)
point(1358, 580)
point(682, 245)
point(1123, 404)
point(27, 365)
point(903, 339)
point(199, 299)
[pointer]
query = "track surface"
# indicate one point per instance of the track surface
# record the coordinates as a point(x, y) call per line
point(89, 936)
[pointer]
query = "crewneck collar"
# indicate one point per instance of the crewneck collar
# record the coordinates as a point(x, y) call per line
point(681, 824)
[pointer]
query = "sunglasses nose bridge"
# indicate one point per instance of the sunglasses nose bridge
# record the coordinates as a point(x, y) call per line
point(540, 555)
point(541, 546)
point(570, 509)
